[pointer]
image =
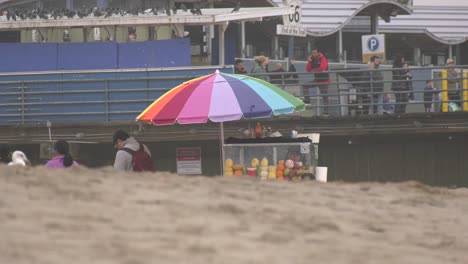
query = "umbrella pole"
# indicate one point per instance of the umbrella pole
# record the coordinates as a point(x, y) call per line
point(221, 143)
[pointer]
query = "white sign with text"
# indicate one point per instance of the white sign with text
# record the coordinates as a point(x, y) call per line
point(292, 22)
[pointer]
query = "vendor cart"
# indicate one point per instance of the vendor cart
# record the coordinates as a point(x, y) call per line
point(244, 153)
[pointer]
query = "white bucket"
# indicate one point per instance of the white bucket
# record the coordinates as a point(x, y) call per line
point(315, 137)
point(321, 174)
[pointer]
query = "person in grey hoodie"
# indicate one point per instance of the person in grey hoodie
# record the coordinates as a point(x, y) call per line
point(123, 159)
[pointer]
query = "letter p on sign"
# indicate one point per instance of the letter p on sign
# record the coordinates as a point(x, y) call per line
point(373, 44)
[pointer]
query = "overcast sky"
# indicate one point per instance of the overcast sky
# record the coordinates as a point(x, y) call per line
point(441, 2)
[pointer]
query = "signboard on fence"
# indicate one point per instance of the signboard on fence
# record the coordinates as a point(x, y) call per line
point(373, 45)
point(292, 22)
point(188, 161)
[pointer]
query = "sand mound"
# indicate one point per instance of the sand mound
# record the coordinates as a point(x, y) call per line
point(99, 216)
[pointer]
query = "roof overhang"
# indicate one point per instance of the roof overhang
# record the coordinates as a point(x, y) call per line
point(446, 25)
point(406, 30)
point(9, 3)
point(210, 16)
point(322, 9)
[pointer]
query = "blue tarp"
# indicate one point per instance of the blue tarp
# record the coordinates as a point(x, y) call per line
point(22, 57)
point(87, 56)
point(29, 57)
point(155, 54)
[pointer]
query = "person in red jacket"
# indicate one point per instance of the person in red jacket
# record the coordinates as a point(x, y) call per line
point(318, 64)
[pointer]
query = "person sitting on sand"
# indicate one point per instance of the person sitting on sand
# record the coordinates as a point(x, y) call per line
point(61, 156)
point(5, 154)
point(131, 155)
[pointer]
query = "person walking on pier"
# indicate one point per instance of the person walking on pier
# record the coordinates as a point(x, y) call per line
point(375, 85)
point(429, 93)
point(399, 85)
point(261, 66)
point(239, 67)
point(318, 64)
point(452, 79)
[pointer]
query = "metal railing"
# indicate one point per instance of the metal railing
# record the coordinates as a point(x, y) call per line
point(359, 92)
point(350, 92)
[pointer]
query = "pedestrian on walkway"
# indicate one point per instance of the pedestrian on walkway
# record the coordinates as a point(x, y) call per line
point(318, 64)
point(400, 85)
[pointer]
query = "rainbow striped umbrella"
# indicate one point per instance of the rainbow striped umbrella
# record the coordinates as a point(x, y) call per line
point(220, 97)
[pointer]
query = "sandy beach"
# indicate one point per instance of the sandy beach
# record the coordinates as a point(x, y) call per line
point(99, 216)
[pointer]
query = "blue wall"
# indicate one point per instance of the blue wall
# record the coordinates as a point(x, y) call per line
point(150, 54)
point(87, 56)
point(28, 57)
point(25, 57)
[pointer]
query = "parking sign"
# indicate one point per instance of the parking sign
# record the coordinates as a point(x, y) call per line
point(373, 45)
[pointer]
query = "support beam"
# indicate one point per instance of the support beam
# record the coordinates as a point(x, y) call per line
point(374, 24)
point(210, 16)
point(85, 34)
point(178, 30)
point(243, 51)
point(102, 3)
point(291, 48)
point(43, 35)
point(417, 56)
point(209, 43)
point(69, 4)
point(151, 33)
point(210, 34)
point(340, 46)
point(275, 44)
point(221, 29)
point(110, 33)
point(458, 54)
point(450, 52)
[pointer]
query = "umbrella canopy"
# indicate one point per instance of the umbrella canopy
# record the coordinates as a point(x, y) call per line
point(220, 97)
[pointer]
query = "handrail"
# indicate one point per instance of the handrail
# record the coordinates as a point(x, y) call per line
point(108, 99)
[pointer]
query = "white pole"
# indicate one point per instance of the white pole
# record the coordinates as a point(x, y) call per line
point(243, 51)
point(276, 48)
point(340, 45)
point(221, 29)
point(210, 35)
point(221, 143)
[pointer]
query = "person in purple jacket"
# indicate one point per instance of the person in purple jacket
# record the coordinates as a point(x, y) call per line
point(61, 156)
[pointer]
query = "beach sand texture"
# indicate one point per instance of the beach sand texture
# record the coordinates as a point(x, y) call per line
point(100, 216)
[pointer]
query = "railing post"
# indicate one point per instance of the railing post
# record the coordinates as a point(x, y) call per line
point(465, 90)
point(107, 100)
point(283, 83)
point(371, 85)
point(22, 103)
point(444, 88)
